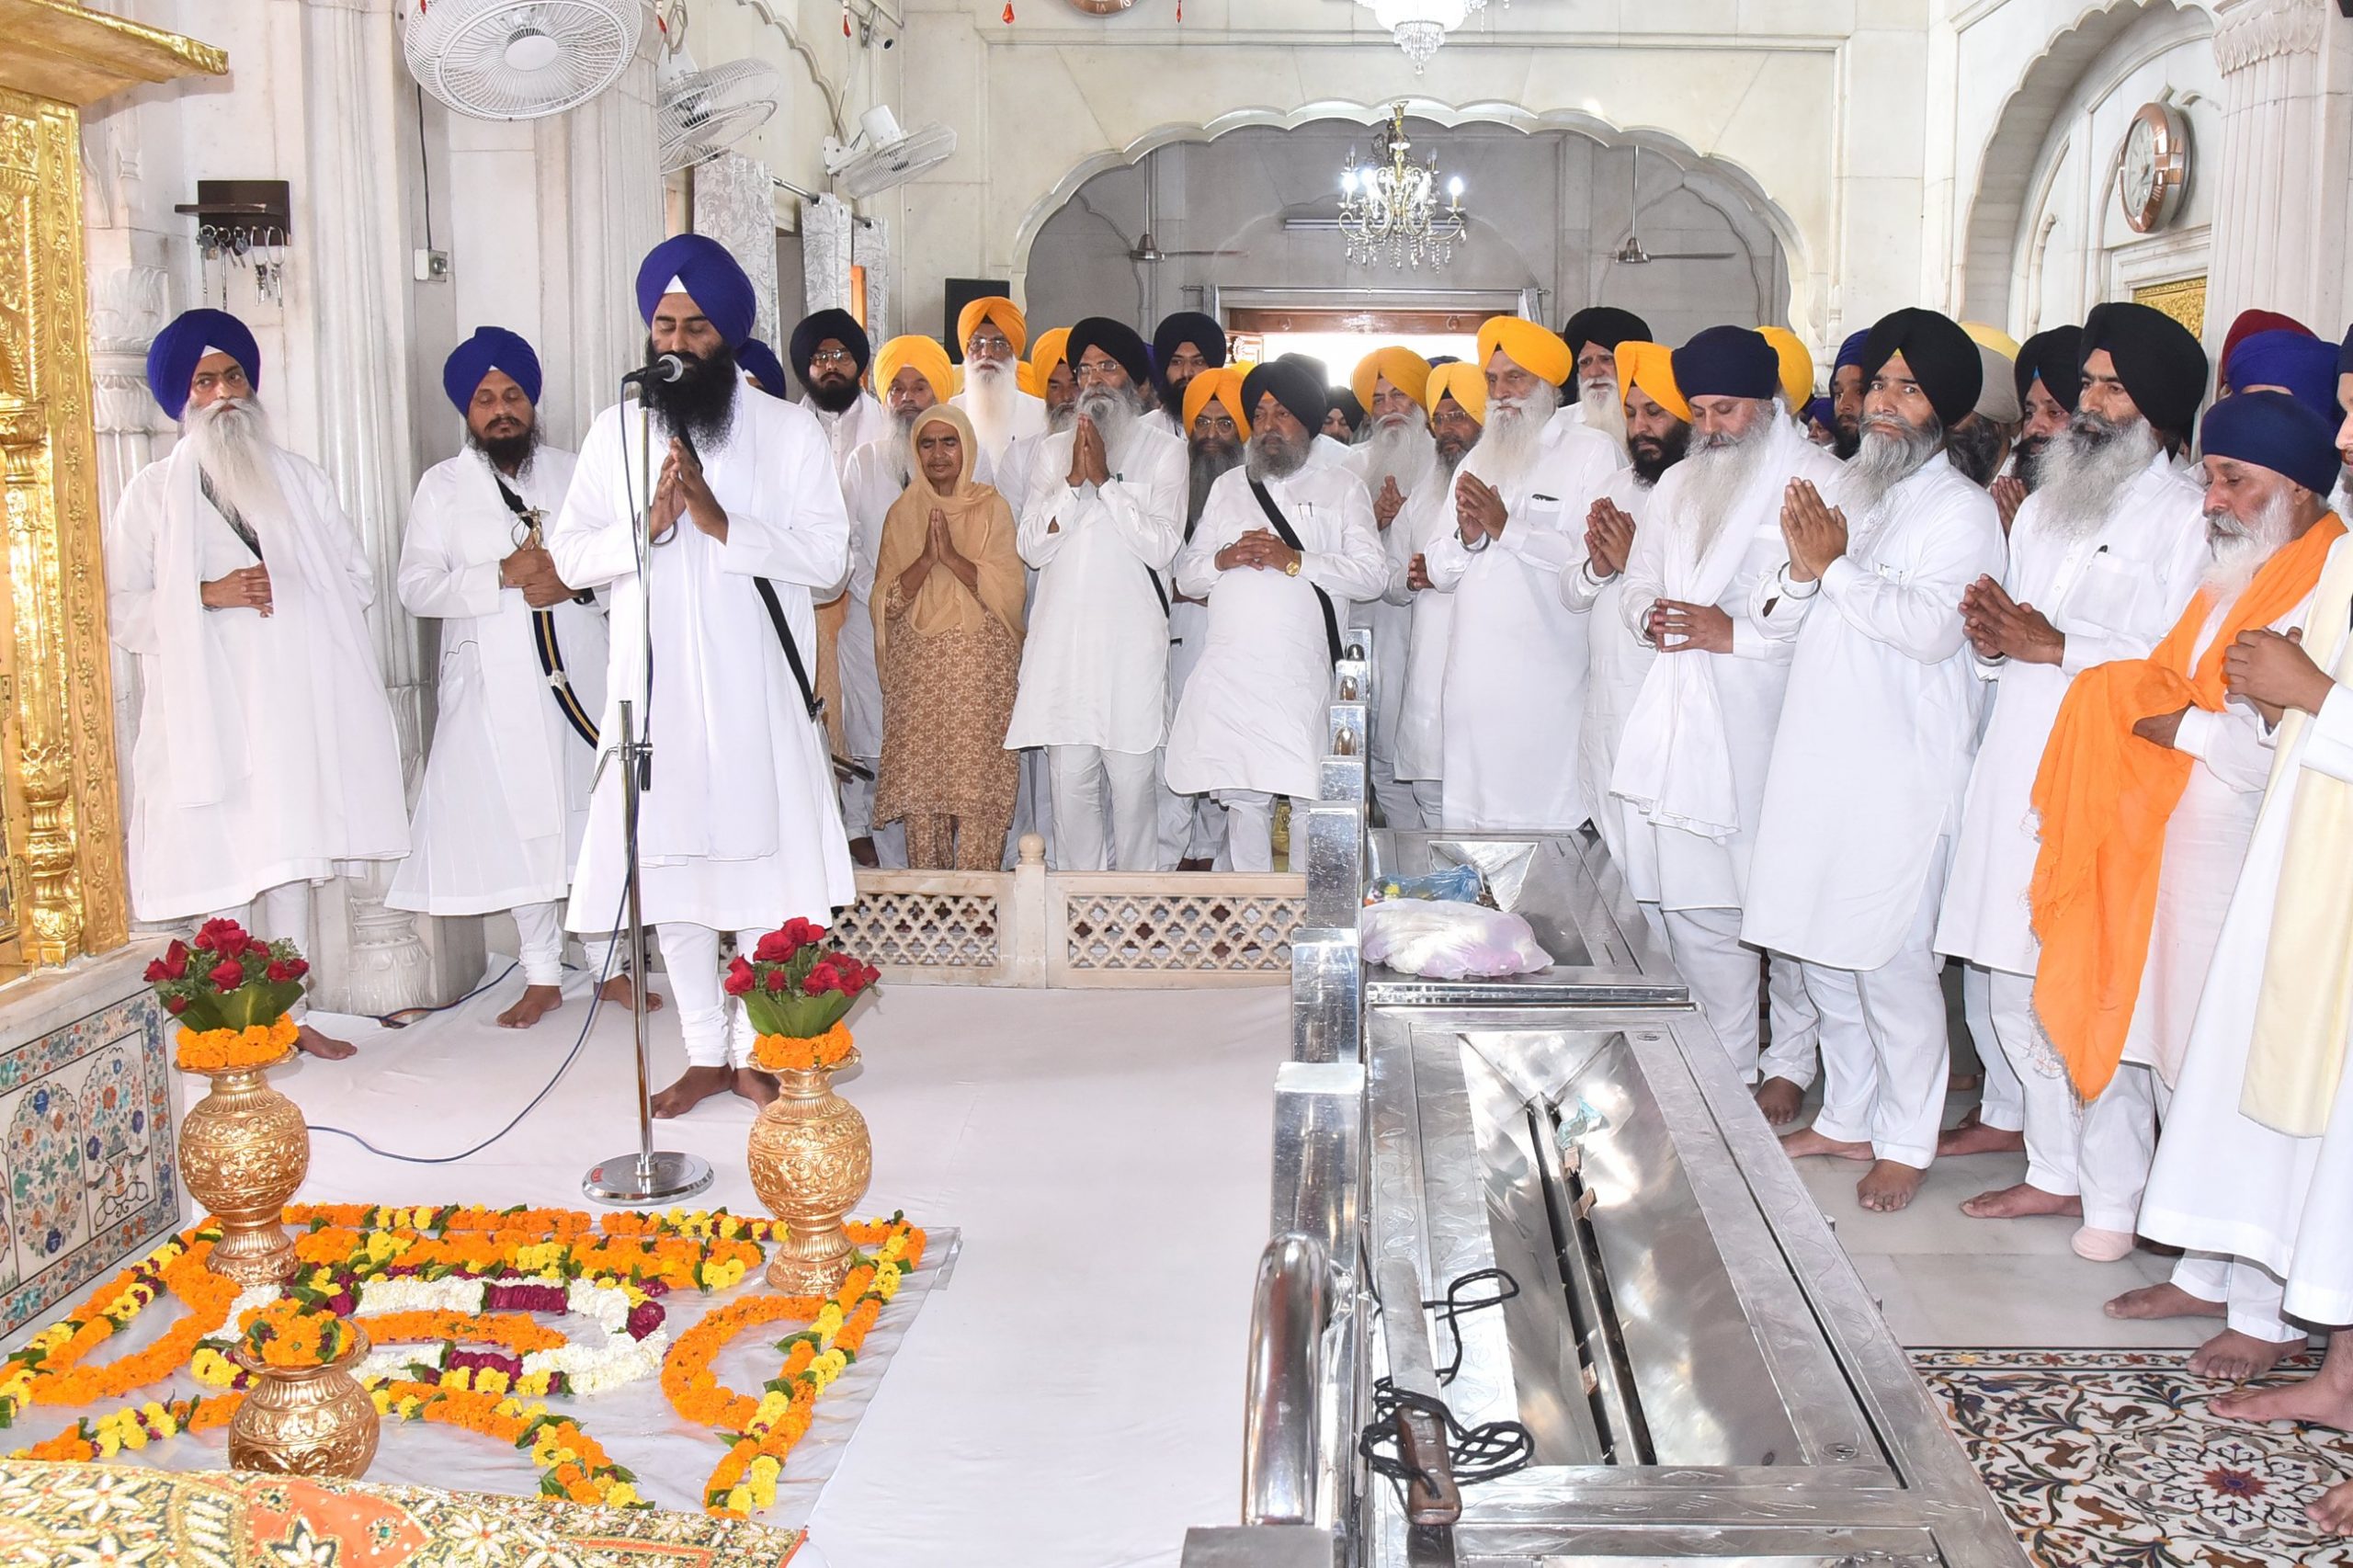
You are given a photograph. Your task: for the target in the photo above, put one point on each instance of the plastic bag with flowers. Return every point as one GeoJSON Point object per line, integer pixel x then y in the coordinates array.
{"type": "Point", "coordinates": [230, 992]}
{"type": "Point", "coordinates": [797, 988]}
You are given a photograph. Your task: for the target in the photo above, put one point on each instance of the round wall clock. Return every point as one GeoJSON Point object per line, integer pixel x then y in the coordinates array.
{"type": "Point", "coordinates": [2155, 170]}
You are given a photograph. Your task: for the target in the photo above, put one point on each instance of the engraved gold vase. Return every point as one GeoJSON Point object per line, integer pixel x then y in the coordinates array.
{"type": "Point", "coordinates": [305, 1420]}
{"type": "Point", "coordinates": [811, 1162]}
{"type": "Point", "coordinates": [244, 1152]}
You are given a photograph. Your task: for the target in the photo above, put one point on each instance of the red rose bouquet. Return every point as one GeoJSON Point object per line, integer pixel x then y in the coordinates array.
{"type": "Point", "coordinates": [230, 992]}
{"type": "Point", "coordinates": [797, 988]}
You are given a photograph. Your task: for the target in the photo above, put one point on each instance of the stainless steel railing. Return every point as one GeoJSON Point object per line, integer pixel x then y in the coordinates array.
{"type": "Point", "coordinates": [1281, 1444]}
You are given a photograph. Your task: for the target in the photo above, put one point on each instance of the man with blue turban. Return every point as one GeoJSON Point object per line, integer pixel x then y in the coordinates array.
{"type": "Point", "coordinates": [266, 757]}
{"type": "Point", "coordinates": [714, 643]}
{"type": "Point", "coordinates": [505, 802]}
{"type": "Point", "coordinates": [1847, 383]}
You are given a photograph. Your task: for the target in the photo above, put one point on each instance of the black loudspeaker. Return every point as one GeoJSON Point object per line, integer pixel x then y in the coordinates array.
{"type": "Point", "coordinates": [962, 292]}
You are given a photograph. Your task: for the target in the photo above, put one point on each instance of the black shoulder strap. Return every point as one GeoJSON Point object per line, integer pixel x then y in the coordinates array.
{"type": "Point", "coordinates": [809, 698]}
{"type": "Point", "coordinates": [1284, 531]}
{"type": "Point", "coordinates": [229, 514]}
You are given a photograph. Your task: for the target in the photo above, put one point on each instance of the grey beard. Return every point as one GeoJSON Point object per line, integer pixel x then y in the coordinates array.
{"type": "Point", "coordinates": [1398, 450]}
{"type": "Point", "coordinates": [1719, 470]}
{"type": "Point", "coordinates": [1603, 409]}
{"type": "Point", "coordinates": [1513, 430]}
{"type": "Point", "coordinates": [1114, 411]}
{"type": "Point", "coordinates": [1209, 465]}
{"type": "Point", "coordinates": [1889, 456]}
{"type": "Point", "coordinates": [1062, 416]}
{"type": "Point", "coordinates": [2083, 472]}
{"type": "Point", "coordinates": [2236, 550]}
{"type": "Point", "coordinates": [232, 441]}
{"type": "Point", "coordinates": [895, 450]}
{"type": "Point", "coordinates": [1271, 457]}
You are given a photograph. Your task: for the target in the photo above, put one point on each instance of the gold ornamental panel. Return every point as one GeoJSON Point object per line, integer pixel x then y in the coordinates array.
{"type": "Point", "coordinates": [2183, 298]}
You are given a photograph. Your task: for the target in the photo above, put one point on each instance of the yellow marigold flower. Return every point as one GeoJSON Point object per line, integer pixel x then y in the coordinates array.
{"type": "Point", "coordinates": [490, 1380]}
{"type": "Point", "coordinates": [895, 1249]}
{"type": "Point", "coordinates": [773, 1404]}
{"type": "Point", "coordinates": [134, 1437]}
{"type": "Point", "coordinates": [886, 1285]}
{"type": "Point", "coordinates": [621, 1496]}
{"type": "Point", "coordinates": [534, 1383]}
{"type": "Point", "coordinates": [109, 1444]}
{"type": "Point", "coordinates": [739, 1501]}
{"type": "Point", "coordinates": [166, 1427]}
{"type": "Point", "coordinates": [461, 1379]}
{"type": "Point", "coordinates": [383, 1400]}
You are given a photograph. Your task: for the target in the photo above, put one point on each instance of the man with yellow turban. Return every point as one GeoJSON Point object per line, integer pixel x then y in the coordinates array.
{"type": "Point", "coordinates": [1796, 364]}
{"type": "Point", "coordinates": [992, 333]}
{"type": "Point", "coordinates": [1193, 827]}
{"type": "Point", "coordinates": [1395, 458]}
{"type": "Point", "coordinates": [1457, 404]}
{"type": "Point", "coordinates": [1515, 667]}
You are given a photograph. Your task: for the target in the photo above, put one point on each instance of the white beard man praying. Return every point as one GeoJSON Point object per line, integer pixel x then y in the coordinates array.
{"type": "Point", "coordinates": [1396, 459]}
{"type": "Point", "coordinates": [266, 760]}
{"type": "Point", "coordinates": [993, 334]}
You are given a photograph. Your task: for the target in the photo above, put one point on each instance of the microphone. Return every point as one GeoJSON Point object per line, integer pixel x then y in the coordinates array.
{"type": "Point", "coordinates": [664, 368]}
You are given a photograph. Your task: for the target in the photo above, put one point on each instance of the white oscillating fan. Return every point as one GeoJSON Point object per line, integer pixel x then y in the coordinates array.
{"type": "Point", "coordinates": [704, 113]}
{"type": "Point", "coordinates": [520, 58]}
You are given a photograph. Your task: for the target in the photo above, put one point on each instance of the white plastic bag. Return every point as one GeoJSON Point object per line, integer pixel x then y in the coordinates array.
{"type": "Point", "coordinates": [1450, 941]}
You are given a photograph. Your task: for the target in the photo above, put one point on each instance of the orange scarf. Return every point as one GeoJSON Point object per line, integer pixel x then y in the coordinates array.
{"type": "Point", "coordinates": [2104, 795]}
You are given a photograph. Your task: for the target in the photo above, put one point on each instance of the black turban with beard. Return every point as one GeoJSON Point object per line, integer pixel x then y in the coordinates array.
{"type": "Point", "coordinates": [841, 328]}
{"type": "Point", "coordinates": [1115, 338]}
{"type": "Point", "coordinates": [1942, 358]}
{"type": "Point", "coordinates": [2055, 358]}
{"type": "Point", "coordinates": [1604, 325]}
{"type": "Point", "coordinates": [1297, 388]}
{"type": "Point", "coordinates": [2160, 363]}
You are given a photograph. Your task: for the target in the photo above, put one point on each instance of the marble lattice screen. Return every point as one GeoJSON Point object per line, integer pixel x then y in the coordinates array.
{"type": "Point", "coordinates": [734, 204]}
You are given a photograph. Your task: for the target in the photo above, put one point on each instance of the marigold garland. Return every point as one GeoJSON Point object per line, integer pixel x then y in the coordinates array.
{"type": "Point", "coordinates": [790, 1054]}
{"type": "Point", "coordinates": [223, 1050]}
{"type": "Point", "coordinates": [513, 1330]}
{"type": "Point", "coordinates": [295, 1334]}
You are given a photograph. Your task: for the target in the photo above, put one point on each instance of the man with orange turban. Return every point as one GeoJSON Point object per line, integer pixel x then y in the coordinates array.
{"type": "Point", "coordinates": [1193, 827]}
{"type": "Point", "coordinates": [1457, 404]}
{"type": "Point", "coordinates": [1515, 667]}
{"type": "Point", "coordinates": [1394, 457]}
{"type": "Point", "coordinates": [992, 333]}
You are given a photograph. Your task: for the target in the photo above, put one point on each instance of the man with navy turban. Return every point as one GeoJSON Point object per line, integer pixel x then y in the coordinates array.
{"type": "Point", "coordinates": [829, 353]}
{"type": "Point", "coordinates": [505, 801]}
{"type": "Point", "coordinates": [739, 829]}
{"type": "Point", "coordinates": [1873, 748]}
{"type": "Point", "coordinates": [266, 757]}
{"type": "Point", "coordinates": [1847, 383]}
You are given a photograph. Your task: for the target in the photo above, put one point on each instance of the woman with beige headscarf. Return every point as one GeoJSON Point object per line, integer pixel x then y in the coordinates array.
{"type": "Point", "coordinates": [947, 593]}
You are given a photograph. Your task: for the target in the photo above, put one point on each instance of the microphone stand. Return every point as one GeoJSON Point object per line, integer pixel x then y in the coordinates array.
{"type": "Point", "coordinates": [649, 1175]}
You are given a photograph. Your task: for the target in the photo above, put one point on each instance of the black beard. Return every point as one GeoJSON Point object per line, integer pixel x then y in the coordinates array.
{"type": "Point", "coordinates": [1669, 452]}
{"type": "Point", "coordinates": [833, 396]}
{"type": "Point", "coordinates": [1210, 460]}
{"type": "Point", "coordinates": [699, 404]}
{"type": "Point", "coordinates": [508, 454]}
{"type": "Point", "coordinates": [1846, 440]}
{"type": "Point", "coordinates": [1975, 448]}
{"type": "Point", "coordinates": [2031, 452]}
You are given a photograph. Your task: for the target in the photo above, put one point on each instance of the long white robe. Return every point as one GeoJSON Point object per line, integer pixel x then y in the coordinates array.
{"type": "Point", "coordinates": [505, 801]}
{"type": "Point", "coordinates": [1877, 726]}
{"type": "Point", "coordinates": [1390, 622]}
{"type": "Point", "coordinates": [266, 751]}
{"type": "Point", "coordinates": [1095, 663]}
{"type": "Point", "coordinates": [1254, 713]}
{"type": "Point", "coordinates": [1617, 660]}
{"type": "Point", "coordinates": [1429, 514]}
{"type": "Point", "coordinates": [1516, 664]}
{"type": "Point", "coordinates": [863, 421]}
{"type": "Point", "coordinates": [2112, 593]}
{"type": "Point", "coordinates": [741, 828]}
{"type": "Point", "coordinates": [2223, 1182]}
{"type": "Point", "coordinates": [1708, 719]}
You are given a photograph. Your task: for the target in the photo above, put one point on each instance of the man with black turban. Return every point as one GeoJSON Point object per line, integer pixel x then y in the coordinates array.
{"type": "Point", "coordinates": [830, 352]}
{"type": "Point", "coordinates": [1873, 749]}
{"type": "Point", "coordinates": [2156, 360]}
{"type": "Point", "coordinates": [1325, 449]}
{"type": "Point", "coordinates": [1185, 343]}
{"type": "Point", "coordinates": [1281, 551]}
{"type": "Point", "coordinates": [1591, 396]}
{"type": "Point", "coordinates": [2048, 376]}
{"type": "Point", "coordinates": [1343, 416]}
{"type": "Point", "coordinates": [2103, 555]}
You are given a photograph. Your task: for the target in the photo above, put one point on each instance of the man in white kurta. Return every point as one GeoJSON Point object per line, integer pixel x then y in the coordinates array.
{"type": "Point", "coordinates": [739, 829]}
{"type": "Point", "coordinates": [1458, 401]}
{"type": "Point", "coordinates": [992, 333]}
{"type": "Point", "coordinates": [265, 760]}
{"type": "Point", "coordinates": [829, 352]}
{"type": "Point", "coordinates": [504, 801]}
{"type": "Point", "coordinates": [1872, 752]}
{"type": "Point", "coordinates": [1396, 459]}
{"type": "Point", "coordinates": [1193, 827]}
{"type": "Point", "coordinates": [1187, 344]}
{"type": "Point", "coordinates": [1103, 519]}
{"type": "Point", "coordinates": [1688, 777]}
{"type": "Point", "coordinates": [1252, 723]}
{"type": "Point", "coordinates": [2103, 558]}
{"type": "Point", "coordinates": [1516, 664]}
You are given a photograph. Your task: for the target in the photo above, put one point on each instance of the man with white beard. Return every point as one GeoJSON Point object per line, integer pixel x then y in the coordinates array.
{"type": "Point", "coordinates": [992, 332]}
{"type": "Point", "coordinates": [2048, 375]}
{"type": "Point", "coordinates": [1590, 395]}
{"type": "Point", "coordinates": [1103, 518]}
{"type": "Point", "coordinates": [1279, 547]}
{"type": "Point", "coordinates": [1395, 458]}
{"type": "Point", "coordinates": [1515, 662]}
{"type": "Point", "coordinates": [1458, 401]}
{"type": "Point", "coordinates": [2149, 795]}
{"type": "Point", "coordinates": [1049, 368]}
{"type": "Point", "coordinates": [1193, 827]}
{"type": "Point", "coordinates": [738, 826]}
{"type": "Point", "coordinates": [830, 352]}
{"type": "Point", "coordinates": [1873, 748]}
{"type": "Point", "coordinates": [1689, 772]}
{"type": "Point", "coordinates": [265, 760]}
{"type": "Point", "coordinates": [1185, 345]}
{"type": "Point", "coordinates": [505, 801]}
{"type": "Point", "coordinates": [2104, 555]}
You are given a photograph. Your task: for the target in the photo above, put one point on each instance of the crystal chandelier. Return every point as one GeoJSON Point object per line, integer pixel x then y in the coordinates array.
{"type": "Point", "coordinates": [1390, 206]}
{"type": "Point", "coordinates": [1420, 25]}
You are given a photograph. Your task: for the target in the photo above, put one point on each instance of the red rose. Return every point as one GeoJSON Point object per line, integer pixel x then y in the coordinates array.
{"type": "Point", "coordinates": [298, 967]}
{"type": "Point", "coordinates": [802, 933]}
{"type": "Point", "coordinates": [822, 979]}
{"type": "Point", "coordinates": [278, 973]}
{"type": "Point", "coordinates": [175, 1006]}
{"type": "Point", "coordinates": [740, 977]}
{"type": "Point", "coordinates": [156, 971]}
{"type": "Point", "coordinates": [209, 935]}
{"type": "Point", "coordinates": [774, 948]}
{"type": "Point", "coordinates": [777, 981]}
{"type": "Point", "coordinates": [227, 974]}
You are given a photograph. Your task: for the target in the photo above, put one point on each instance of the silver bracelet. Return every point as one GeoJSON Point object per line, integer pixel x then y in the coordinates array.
{"type": "Point", "coordinates": [1789, 589]}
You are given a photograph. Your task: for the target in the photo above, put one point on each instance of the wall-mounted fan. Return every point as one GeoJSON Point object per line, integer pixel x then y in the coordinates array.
{"type": "Point", "coordinates": [520, 59]}
{"type": "Point", "coordinates": [704, 113]}
{"type": "Point", "coordinates": [881, 156]}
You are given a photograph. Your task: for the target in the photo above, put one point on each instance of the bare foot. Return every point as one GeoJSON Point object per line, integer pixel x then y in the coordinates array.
{"type": "Point", "coordinates": [2316, 1398]}
{"type": "Point", "coordinates": [1888, 1186]}
{"type": "Point", "coordinates": [1799, 1145]}
{"type": "Point", "coordinates": [754, 1086]}
{"type": "Point", "coordinates": [2017, 1202]}
{"type": "Point", "coordinates": [2239, 1357]}
{"type": "Point", "coordinates": [2165, 1301]}
{"type": "Point", "coordinates": [862, 852]}
{"type": "Point", "coordinates": [326, 1047]}
{"type": "Point", "coordinates": [1780, 1100]}
{"type": "Point", "coordinates": [695, 1086]}
{"type": "Point", "coordinates": [616, 990]}
{"type": "Point", "coordinates": [536, 1003]}
{"type": "Point", "coordinates": [1973, 1137]}
{"type": "Point", "coordinates": [2334, 1511]}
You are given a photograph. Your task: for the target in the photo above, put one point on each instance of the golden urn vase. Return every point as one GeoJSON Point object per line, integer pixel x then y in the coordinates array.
{"type": "Point", "coordinates": [811, 1162]}
{"type": "Point", "coordinates": [305, 1420]}
{"type": "Point", "coordinates": [244, 1152]}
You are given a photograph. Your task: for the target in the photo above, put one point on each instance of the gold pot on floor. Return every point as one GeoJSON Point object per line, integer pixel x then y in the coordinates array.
{"type": "Point", "coordinates": [305, 1420]}
{"type": "Point", "coordinates": [244, 1152]}
{"type": "Point", "coordinates": [810, 1159]}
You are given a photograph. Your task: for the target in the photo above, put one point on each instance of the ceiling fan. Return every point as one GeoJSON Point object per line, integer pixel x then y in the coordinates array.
{"type": "Point", "coordinates": [1632, 253]}
{"type": "Point", "coordinates": [1147, 249]}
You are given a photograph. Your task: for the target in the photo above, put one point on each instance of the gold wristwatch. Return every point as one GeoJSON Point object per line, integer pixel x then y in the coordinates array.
{"type": "Point", "coordinates": [1291, 570]}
